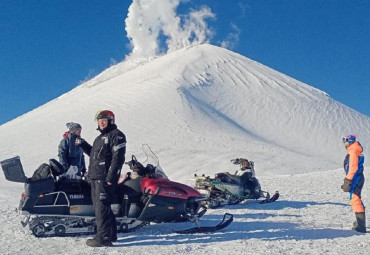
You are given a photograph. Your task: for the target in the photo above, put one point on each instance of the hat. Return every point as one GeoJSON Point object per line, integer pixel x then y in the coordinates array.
{"type": "Point", "coordinates": [73, 126]}
{"type": "Point", "coordinates": [349, 139]}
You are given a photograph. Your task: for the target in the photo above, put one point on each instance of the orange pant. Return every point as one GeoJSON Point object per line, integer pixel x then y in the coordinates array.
{"type": "Point", "coordinates": [356, 204]}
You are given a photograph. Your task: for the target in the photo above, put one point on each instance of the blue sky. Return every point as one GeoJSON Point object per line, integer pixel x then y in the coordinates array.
{"type": "Point", "coordinates": [48, 47]}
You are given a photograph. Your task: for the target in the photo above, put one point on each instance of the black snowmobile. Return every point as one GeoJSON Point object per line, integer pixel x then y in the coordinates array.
{"type": "Point", "coordinates": [55, 205]}
{"type": "Point", "coordinates": [229, 189]}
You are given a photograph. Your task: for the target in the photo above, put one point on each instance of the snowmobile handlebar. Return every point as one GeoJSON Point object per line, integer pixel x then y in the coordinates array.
{"type": "Point", "coordinates": [134, 164]}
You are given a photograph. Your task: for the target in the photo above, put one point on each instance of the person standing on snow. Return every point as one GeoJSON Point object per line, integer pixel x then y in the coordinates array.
{"type": "Point", "coordinates": [354, 180]}
{"type": "Point", "coordinates": [107, 155]}
{"type": "Point", "coordinates": [71, 156]}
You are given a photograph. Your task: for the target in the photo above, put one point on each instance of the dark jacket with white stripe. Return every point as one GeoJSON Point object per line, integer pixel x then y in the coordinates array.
{"type": "Point", "coordinates": [107, 154]}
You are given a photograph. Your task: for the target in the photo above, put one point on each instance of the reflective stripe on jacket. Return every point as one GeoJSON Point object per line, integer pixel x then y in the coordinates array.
{"type": "Point", "coordinates": [107, 155]}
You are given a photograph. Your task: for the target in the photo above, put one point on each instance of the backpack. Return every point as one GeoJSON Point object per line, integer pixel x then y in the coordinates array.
{"type": "Point", "coordinates": [42, 172]}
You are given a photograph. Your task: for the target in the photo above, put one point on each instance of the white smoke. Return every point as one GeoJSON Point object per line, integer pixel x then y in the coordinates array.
{"type": "Point", "coordinates": [153, 27]}
{"type": "Point", "coordinates": [232, 39]}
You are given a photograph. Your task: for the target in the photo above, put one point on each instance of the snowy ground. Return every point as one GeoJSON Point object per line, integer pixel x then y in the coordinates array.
{"type": "Point", "coordinates": [312, 216]}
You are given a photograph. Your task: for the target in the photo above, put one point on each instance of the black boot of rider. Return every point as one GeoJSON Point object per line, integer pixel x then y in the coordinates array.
{"type": "Point", "coordinates": [361, 223]}
{"type": "Point", "coordinates": [98, 242]}
{"type": "Point", "coordinates": [113, 230]}
{"type": "Point", "coordinates": [113, 238]}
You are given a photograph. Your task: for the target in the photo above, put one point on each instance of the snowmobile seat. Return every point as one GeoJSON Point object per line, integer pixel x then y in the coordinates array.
{"type": "Point", "coordinates": [235, 179]}
{"type": "Point", "coordinates": [228, 178]}
{"type": "Point", "coordinates": [56, 168]}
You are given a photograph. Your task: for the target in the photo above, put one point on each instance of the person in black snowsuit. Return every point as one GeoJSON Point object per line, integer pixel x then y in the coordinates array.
{"type": "Point", "coordinates": [107, 155]}
{"type": "Point", "coordinates": [69, 154]}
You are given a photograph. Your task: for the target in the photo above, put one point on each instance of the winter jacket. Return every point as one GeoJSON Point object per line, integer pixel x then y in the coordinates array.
{"type": "Point", "coordinates": [355, 161]}
{"type": "Point", "coordinates": [354, 165]}
{"type": "Point", "coordinates": [70, 154]}
{"type": "Point", "coordinates": [107, 154]}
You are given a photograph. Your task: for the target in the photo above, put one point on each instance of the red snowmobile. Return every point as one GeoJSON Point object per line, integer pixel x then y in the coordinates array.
{"type": "Point", "coordinates": [55, 205]}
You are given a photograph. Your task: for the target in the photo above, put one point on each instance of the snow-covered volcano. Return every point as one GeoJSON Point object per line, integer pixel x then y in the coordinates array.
{"type": "Point", "coordinates": [198, 108]}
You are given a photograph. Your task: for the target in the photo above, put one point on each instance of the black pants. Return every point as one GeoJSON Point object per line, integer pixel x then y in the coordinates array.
{"type": "Point", "coordinates": [101, 195]}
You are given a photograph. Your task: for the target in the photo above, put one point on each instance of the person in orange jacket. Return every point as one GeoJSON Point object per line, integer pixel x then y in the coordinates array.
{"type": "Point", "coordinates": [354, 180]}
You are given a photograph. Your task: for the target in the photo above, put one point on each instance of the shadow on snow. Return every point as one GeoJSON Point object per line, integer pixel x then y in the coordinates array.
{"type": "Point", "coordinates": [161, 234]}
{"type": "Point", "coordinates": [283, 204]}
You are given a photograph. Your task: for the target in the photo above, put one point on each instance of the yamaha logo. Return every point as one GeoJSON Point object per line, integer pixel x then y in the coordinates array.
{"type": "Point", "coordinates": [76, 196]}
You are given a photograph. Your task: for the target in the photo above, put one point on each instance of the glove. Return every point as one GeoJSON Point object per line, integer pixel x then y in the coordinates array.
{"type": "Point", "coordinates": [71, 173]}
{"type": "Point", "coordinates": [103, 197]}
{"type": "Point", "coordinates": [78, 141]}
{"type": "Point", "coordinates": [346, 185]}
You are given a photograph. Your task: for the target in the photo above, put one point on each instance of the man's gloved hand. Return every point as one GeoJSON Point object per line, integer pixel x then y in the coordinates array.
{"type": "Point", "coordinates": [346, 185]}
{"type": "Point", "coordinates": [103, 197]}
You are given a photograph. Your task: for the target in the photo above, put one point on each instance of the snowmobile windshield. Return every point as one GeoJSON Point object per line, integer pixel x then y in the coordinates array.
{"type": "Point", "coordinates": [152, 159]}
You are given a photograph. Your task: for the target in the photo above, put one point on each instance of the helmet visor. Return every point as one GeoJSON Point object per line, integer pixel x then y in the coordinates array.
{"type": "Point", "coordinates": [104, 114]}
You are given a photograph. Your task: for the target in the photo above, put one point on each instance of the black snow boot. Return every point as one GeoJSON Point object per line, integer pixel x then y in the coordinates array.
{"type": "Point", "coordinates": [113, 230]}
{"type": "Point", "coordinates": [97, 242]}
{"type": "Point", "coordinates": [114, 238]}
{"type": "Point", "coordinates": [360, 224]}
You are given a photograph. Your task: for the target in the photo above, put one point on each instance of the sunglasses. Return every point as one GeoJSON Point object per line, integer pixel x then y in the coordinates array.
{"type": "Point", "coordinates": [348, 140]}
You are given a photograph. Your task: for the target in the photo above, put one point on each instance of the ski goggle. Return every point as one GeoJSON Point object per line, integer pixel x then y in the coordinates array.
{"type": "Point", "coordinates": [104, 114]}
{"type": "Point", "coordinates": [349, 139]}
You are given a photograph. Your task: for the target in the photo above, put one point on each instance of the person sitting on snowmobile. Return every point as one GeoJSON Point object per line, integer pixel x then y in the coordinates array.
{"type": "Point", "coordinates": [248, 177]}
{"type": "Point", "coordinates": [71, 156]}
{"type": "Point", "coordinates": [107, 155]}
{"type": "Point", "coordinates": [354, 180]}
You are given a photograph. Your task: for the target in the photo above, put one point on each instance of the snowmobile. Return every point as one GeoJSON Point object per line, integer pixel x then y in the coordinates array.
{"type": "Point", "coordinates": [229, 189]}
{"type": "Point", "coordinates": [53, 205]}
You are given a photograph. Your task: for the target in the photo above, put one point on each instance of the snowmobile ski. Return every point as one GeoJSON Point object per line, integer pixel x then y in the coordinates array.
{"type": "Point", "coordinates": [209, 229]}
